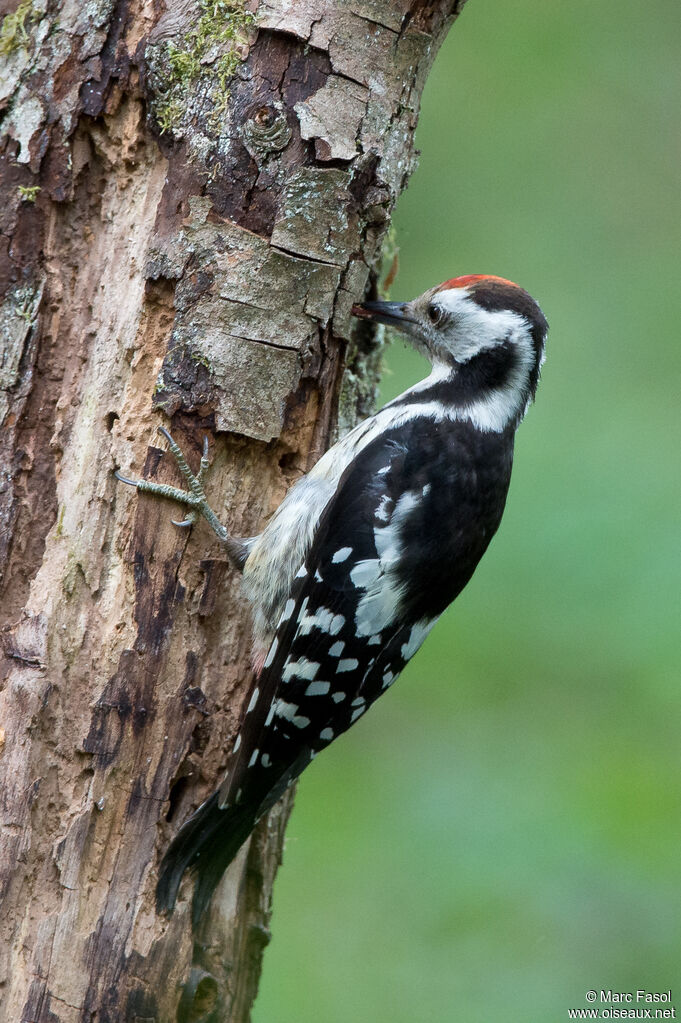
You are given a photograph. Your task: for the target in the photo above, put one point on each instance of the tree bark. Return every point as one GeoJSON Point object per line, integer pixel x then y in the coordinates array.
{"type": "Point", "coordinates": [192, 199]}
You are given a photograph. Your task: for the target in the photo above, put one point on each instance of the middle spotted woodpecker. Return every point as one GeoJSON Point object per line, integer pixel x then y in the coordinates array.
{"type": "Point", "coordinates": [366, 551]}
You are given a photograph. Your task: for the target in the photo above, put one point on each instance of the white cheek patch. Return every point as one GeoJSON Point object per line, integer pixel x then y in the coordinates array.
{"type": "Point", "coordinates": [477, 328]}
{"type": "Point", "coordinates": [497, 407]}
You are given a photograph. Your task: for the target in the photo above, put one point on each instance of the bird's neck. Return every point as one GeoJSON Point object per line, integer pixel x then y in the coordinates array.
{"type": "Point", "coordinates": [491, 391]}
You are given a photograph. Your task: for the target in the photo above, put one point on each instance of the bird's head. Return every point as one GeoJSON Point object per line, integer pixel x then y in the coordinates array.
{"type": "Point", "coordinates": [485, 328]}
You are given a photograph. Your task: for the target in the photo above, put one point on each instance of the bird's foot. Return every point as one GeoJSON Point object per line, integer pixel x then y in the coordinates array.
{"type": "Point", "coordinates": [194, 498]}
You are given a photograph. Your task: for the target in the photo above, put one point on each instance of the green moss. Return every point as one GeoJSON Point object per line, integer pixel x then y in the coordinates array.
{"type": "Point", "coordinates": [28, 193]}
{"type": "Point", "coordinates": [199, 358]}
{"type": "Point", "coordinates": [208, 53]}
{"type": "Point", "coordinates": [168, 112]}
{"type": "Point", "coordinates": [13, 31]}
{"type": "Point", "coordinates": [185, 66]}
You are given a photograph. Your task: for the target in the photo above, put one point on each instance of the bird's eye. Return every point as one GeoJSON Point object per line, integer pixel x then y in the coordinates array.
{"type": "Point", "coordinates": [434, 314]}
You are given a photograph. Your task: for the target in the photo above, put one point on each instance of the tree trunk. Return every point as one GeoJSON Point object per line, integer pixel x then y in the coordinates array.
{"type": "Point", "coordinates": [192, 199]}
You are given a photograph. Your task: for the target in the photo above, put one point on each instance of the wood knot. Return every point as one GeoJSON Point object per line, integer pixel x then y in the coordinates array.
{"type": "Point", "coordinates": [267, 131]}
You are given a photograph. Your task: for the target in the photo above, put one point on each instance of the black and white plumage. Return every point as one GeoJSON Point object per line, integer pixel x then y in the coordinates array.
{"type": "Point", "coordinates": [368, 549]}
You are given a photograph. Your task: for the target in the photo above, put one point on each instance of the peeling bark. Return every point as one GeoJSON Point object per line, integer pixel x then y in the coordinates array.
{"type": "Point", "coordinates": [193, 197]}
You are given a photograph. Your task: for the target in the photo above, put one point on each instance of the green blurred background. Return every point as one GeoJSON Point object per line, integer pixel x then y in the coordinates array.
{"type": "Point", "coordinates": [502, 831]}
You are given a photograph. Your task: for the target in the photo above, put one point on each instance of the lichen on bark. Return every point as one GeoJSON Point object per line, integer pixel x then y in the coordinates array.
{"type": "Point", "coordinates": [203, 59]}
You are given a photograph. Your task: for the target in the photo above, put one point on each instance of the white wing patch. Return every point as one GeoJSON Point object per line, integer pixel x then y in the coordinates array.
{"type": "Point", "coordinates": [271, 652]}
{"type": "Point", "coordinates": [318, 689]}
{"type": "Point", "coordinates": [379, 606]}
{"type": "Point", "coordinates": [322, 619]}
{"type": "Point", "coordinates": [365, 573]}
{"type": "Point", "coordinates": [303, 669]}
{"type": "Point", "coordinates": [418, 633]}
{"type": "Point", "coordinates": [384, 509]}
{"type": "Point", "coordinates": [288, 610]}
{"type": "Point", "coordinates": [289, 711]}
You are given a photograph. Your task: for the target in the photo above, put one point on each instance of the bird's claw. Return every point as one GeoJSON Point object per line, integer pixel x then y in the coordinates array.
{"type": "Point", "coordinates": [189, 521]}
{"type": "Point", "coordinates": [124, 479]}
{"type": "Point", "coordinates": [194, 497]}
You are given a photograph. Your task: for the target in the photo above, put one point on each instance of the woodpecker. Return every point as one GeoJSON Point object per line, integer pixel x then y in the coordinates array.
{"type": "Point", "coordinates": [366, 551]}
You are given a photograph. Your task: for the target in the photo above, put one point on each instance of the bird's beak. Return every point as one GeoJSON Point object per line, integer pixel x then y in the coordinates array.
{"type": "Point", "coordinates": [395, 314]}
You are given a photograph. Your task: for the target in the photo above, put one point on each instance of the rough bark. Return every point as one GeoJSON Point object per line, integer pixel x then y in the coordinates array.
{"type": "Point", "coordinates": [192, 199]}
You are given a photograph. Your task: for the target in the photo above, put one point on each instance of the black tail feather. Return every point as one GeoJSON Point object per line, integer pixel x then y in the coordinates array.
{"type": "Point", "coordinates": [208, 841]}
{"type": "Point", "coordinates": [212, 837]}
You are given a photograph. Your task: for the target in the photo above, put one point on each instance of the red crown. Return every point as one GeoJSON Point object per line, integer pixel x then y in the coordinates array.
{"type": "Point", "coordinates": [463, 282]}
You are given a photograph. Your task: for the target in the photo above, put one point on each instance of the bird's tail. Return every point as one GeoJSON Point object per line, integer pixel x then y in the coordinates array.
{"type": "Point", "coordinates": [212, 837]}
{"type": "Point", "coordinates": [208, 841]}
